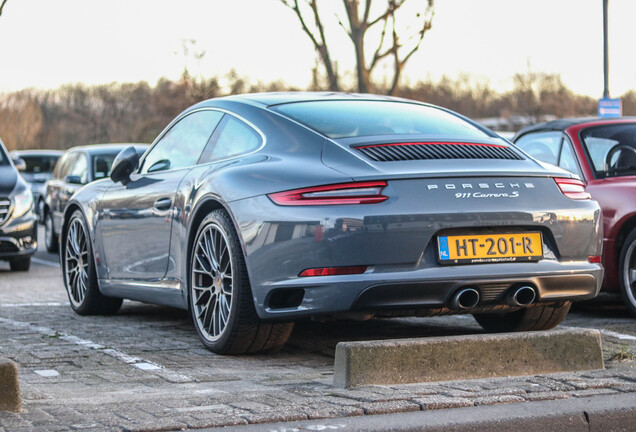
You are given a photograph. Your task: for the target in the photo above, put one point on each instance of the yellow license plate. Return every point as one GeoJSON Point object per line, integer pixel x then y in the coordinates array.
{"type": "Point", "coordinates": [488, 248]}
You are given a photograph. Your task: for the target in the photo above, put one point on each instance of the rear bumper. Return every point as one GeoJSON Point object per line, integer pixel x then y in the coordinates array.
{"type": "Point", "coordinates": [421, 290]}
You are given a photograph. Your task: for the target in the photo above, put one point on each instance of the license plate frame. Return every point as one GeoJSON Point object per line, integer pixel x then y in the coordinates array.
{"type": "Point", "coordinates": [490, 248]}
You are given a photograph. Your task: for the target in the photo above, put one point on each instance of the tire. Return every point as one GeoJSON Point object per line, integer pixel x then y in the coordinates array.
{"type": "Point", "coordinates": [80, 276]}
{"type": "Point", "coordinates": [627, 272]}
{"type": "Point", "coordinates": [220, 296]}
{"type": "Point", "coordinates": [50, 237]}
{"type": "Point", "coordinates": [538, 317]}
{"type": "Point", "coordinates": [41, 210]}
{"type": "Point", "coordinates": [20, 264]}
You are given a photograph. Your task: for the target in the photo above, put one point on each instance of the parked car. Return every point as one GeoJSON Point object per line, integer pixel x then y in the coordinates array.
{"type": "Point", "coordinates": [18, 223]}
{"type": "Point", "coordinates": [602, 152]}
{"type": "Point", "coordinates": [252, 211]}
{"type": "Point", "coordinates": [37, 169]}
{"type": "Point", "coordinates": [77, 166]}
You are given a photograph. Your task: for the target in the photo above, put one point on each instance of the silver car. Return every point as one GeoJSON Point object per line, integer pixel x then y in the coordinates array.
{"type": "Point", "coordinates": [252, 211]}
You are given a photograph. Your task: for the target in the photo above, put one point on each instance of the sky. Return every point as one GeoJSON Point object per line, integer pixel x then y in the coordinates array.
{"type": "Point", "coordinates": [45, 43]}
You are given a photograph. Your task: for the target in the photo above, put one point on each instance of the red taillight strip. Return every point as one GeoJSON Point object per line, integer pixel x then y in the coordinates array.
{"type": "Point", "coordinates": [572, 188]}
{"type": "Point", "coordinates": [333, 271]}
{"type": "Point", "coordinates": [594, 259]}
{"type": "Point", "coordinates": [352, 193]}
{"type": "Point", "coordinates": [431, 143]}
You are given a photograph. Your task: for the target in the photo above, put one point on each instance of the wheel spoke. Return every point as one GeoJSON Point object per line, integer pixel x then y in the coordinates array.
{"type": "Point", "coordinates": [215, 237]}
{"type": "Point", "coordinates": [205, 265]}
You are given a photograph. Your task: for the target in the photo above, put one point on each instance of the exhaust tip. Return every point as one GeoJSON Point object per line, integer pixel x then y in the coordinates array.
{"type": "Point", "coordinates": [466, 298]}
{"type": "Point", "coordinates": [521, 296]}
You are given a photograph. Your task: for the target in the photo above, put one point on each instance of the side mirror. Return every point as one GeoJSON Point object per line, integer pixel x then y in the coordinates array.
{"type": "Point", "coordinates": [124, 165]}
{"type": "Point", "coordinates": [20, 164]}
{"type": "Point", "coordinates": [73, 179]}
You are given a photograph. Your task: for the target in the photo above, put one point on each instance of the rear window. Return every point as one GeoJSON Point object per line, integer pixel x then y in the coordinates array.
{"type": "Point", "coordinates": [346, 119]}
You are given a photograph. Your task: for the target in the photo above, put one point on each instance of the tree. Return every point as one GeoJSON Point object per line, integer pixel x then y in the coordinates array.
{"type": "Point", "coordinates": [391, 44]}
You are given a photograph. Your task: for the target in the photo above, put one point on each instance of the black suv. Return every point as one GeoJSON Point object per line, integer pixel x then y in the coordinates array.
{"type": "Point", "coordinates": [17, 219]}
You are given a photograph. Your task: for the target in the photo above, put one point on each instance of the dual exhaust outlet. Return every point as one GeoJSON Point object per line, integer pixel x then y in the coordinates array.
{"type": "Point", "coordinates": [468, 298]}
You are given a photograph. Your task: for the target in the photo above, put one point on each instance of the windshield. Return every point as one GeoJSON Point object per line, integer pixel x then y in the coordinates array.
{"type": "Point", "coordinates": [611, 149]}
{"type": "Point", "coordinates": [353, 118]}
{"type": "Point", "coordinates": [39, 163]}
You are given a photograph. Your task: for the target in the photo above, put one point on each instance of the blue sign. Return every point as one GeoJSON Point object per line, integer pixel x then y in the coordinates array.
{"type": "Point", "coordinates": [609, 107]}
{"type": "Point", "coordinates": [443, 248]}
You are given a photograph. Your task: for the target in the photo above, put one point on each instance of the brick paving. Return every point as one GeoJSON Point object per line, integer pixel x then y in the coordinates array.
{"type": "Point", "coordinates": [145, 369]}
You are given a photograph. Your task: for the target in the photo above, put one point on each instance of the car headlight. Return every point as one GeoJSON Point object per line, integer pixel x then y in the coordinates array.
{"type": "Point", "coordinates": [22, 202]}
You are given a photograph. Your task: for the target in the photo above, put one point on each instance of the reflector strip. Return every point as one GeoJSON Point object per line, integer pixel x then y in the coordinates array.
{"type": "Point", "coordinates": [333, 271]}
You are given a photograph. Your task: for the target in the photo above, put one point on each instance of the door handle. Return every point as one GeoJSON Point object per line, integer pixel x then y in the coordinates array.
{"type": "Point", "coordinates": [162, 204]}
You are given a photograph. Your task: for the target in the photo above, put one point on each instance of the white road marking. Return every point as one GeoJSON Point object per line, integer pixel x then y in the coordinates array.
{"type": "Point", "coordinates": [47, 373]}
{"type": "Point", "coordinates": [609, 333]}
{"type": "Point", "coordinates": [33, 304]}
{"type": "Point", "coordinates": [45, 262]}
{"type": "Point", "coordinates": [133, 361]}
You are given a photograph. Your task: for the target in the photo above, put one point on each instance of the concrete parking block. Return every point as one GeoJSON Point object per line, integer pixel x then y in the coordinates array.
{"type": "Point", "coordinates": [403, 361]}
{"type": "Point", "coordinates": [9, 387]}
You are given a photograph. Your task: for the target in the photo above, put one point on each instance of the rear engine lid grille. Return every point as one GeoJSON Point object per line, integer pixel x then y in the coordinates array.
{"type": "Point", "coordinates": [5, 205]}
{"type": "Point", "coordinates": [436, 150]}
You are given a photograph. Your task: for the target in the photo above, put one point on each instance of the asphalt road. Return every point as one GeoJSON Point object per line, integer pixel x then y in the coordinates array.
{"type": "Point", "coordinates": [145, 368]}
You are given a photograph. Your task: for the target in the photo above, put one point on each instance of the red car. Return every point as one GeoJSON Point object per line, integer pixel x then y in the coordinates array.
{"type": "Point", "coordinates": [603, 153]}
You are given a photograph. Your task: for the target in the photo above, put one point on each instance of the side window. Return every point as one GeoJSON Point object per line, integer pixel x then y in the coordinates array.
{"type": "Point", "coordinates": [79, 168]}
{"type": "Point", "coordinates": [232, 138]}
{"type": "Point", "coordinates": [541, 145]}
{"type": "Point", "coordinates": [182, 145]}
{"type": "Point", "coordinates": [567, 159]}
{"type": "Point", "coordinates": [67, 161]}
{"type": "Point", "coordinates": [58, 166]}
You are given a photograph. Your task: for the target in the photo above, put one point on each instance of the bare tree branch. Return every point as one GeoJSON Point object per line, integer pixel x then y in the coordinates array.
{"type": "Point", "coordinates": [320, 42]}
{"type": "Point", "coordinates": [377, 56]}
{"type": "Point", "coordinates": [393, 6]}
{"type": "Point", "coordinates": [399, 63]}
{"type": "Point", "coordinates": [356, 26]}
{"type": "Point", "coordinates": [2, 6]}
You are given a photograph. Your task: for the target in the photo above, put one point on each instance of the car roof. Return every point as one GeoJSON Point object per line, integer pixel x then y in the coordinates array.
{"type": "Point", "coordinates": [562, 124]}
{"type": "Point", "coordinates": [277, 98]}
{"type": "Point", "coordinates": [101, 148]}
{"type": "Point", "coordinates": [37, 152]}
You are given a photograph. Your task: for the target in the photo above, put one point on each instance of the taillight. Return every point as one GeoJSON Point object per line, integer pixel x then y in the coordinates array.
{"type": "Point", "coordinates": [572, 188]}
{"type": "Point", "coordinates": [333, 271]}
{"type": "Point", "coordinates": [343, 193]}
{"type": "Point", "coordinates": [594, 259]}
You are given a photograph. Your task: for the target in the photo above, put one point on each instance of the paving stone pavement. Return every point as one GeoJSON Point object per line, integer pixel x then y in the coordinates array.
{"type": "Point", "coordinates": [145, 369]}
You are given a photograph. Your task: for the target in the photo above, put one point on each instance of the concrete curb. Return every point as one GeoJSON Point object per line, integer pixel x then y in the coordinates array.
{"type": "Point", "coordinates": [616, 412]}
{"type": "Point", "coordinates": [403, 361]}
{"type": "Point", "coordinates": [9, 387]}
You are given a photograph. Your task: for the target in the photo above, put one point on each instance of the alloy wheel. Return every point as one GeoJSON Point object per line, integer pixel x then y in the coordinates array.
{"type": "Point", "coordinates": [212, 282]}
{"type": "Point", "coordinates": [76, 262]}
{"type": "Point", "coordinates": [629, 274]}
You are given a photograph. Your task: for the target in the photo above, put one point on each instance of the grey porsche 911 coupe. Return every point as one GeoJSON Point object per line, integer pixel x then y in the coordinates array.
{"type": "Point", "coordinates": [252, 211]}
